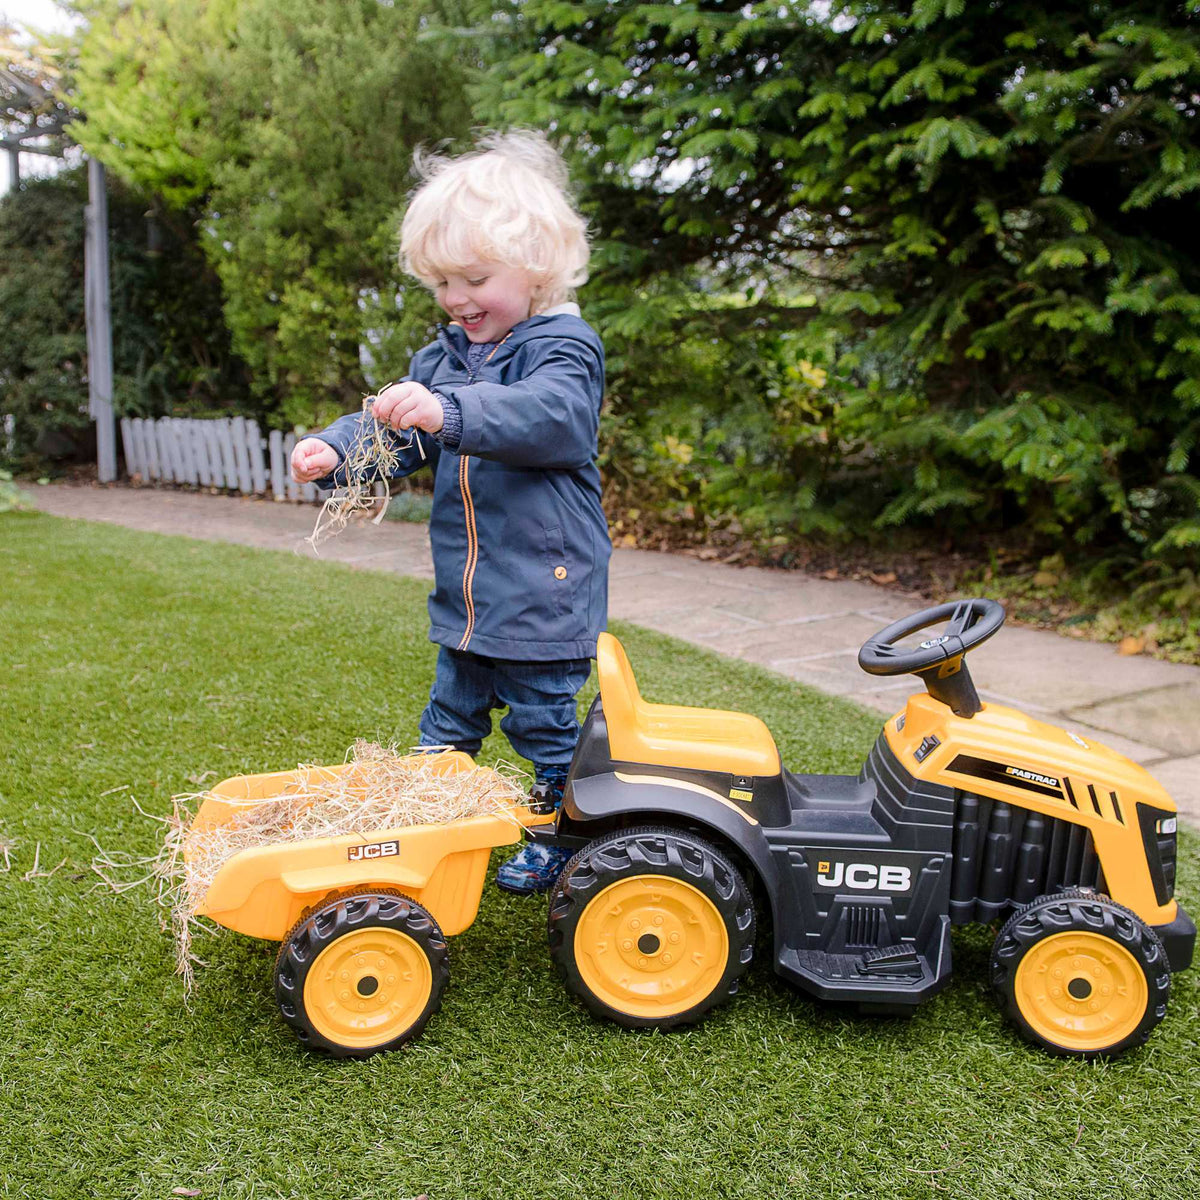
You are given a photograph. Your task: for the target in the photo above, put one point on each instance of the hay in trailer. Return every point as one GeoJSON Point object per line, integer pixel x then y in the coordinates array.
{"type": "Point", "coordinates": [386, 789]}
{"type": "Point", "coordinates": [371, 458]}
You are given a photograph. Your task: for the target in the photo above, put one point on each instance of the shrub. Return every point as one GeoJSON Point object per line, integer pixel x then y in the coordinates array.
{"type": "Point", "coordinates": [993, 206]}
{"type": "Point", "coordinates": [170, 349]}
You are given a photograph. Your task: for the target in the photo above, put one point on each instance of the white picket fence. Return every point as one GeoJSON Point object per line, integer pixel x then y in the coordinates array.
{"type": "Point", "coordinates": [222, 452]}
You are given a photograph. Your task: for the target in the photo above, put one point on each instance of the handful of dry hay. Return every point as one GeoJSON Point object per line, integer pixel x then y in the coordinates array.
{"type": "Point", "coordinates": [370, 459]}
{"type": "Point", "coordinates": [387, 789]}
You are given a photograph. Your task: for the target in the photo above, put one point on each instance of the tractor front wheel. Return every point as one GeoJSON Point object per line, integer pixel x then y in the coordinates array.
{"type": "Point", "coordinates": [651, 928]}
{"type": "Point", "coordinates": [362, 973]}
{"type": "Point", "coordinates": [1081, 975]}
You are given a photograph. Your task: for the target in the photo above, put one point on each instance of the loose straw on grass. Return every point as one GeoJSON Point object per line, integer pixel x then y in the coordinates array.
{"type": "Point", "coordinates": [7, 846]}
{"type": "Point", "coordinates": [384, 789]}
{"type": "Point", "coordinates": [35, 872]}
{"type": "Point", "coordinates": [370, 459]}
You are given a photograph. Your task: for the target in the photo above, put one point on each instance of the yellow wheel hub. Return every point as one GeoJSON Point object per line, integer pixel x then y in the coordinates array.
{"type": "Point", "coordinates": [651, 946]}
{"type": "Point", "coordinates": [1081, 991]}
{"type": "Point", "coordinates": [367, 987]}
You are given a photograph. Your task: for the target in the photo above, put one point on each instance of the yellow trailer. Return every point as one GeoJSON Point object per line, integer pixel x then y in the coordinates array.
{"type": "Point", "coordinates": [363, 918]}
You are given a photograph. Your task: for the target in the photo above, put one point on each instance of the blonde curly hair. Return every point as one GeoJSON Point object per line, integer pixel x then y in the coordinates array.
{"type": "Point", "coordinates": [506, 201]}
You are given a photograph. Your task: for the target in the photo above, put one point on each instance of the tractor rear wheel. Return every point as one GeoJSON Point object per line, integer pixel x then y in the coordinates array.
{"type": "Point", "coordinates": [1080, 974]}
{"type": "Point", "coordinates": [651, 928]}
{"type": "Point", "coordinates": [362, 973]}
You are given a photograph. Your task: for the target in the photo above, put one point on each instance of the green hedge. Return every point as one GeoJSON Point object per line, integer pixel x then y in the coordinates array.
{"type": "Point", "coordinates": [171, 351]}
{"type": "Point", "coordinates": [928, 265]}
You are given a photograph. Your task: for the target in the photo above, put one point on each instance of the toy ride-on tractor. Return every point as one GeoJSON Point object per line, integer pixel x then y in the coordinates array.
{"type": "Point", "coordinates": [963, 812]}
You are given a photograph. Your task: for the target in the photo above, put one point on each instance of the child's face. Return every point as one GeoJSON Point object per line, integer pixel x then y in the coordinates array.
{"type": "Point", "coordinates": [486, 299]}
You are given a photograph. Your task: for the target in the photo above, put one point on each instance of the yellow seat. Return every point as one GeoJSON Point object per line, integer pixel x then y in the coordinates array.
{"type": "Point", "coordinates": [668, 735]}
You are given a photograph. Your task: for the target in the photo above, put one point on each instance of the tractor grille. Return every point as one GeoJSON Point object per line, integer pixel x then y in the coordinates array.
{"type": "Point", "coordinates": [1158, 838]}
{"type": "Point", "coordinates": [1166, 854]}
{"type": "Point", "coordinates": [1005, 856]}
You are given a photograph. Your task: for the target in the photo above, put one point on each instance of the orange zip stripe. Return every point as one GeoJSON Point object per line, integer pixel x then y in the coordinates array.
{"type": "Point", "coordinates": [472, 549]}
{"type": "Point", "coordinates": [464, 486]}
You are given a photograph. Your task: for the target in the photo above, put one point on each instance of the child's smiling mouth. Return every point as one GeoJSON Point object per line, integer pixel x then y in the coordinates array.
{"type": "Point", "coordinates": [472, 320]}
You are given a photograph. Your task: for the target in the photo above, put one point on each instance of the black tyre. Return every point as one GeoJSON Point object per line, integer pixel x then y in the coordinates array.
{"type": "Point", "coordinates": [1080, 974]}
{"type": "Point", "coordinates": [362, 973]}
{"type": "Point", "coordinates": [651, 928]}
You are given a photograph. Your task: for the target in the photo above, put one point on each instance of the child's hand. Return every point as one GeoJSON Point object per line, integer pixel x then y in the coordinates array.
{"type": "Point", "coordinates": [408, 406]}
{"type": "Point", "coordinates": [312, 459]}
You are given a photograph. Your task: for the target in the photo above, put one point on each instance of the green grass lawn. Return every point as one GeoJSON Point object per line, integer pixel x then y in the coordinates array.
{"type": "Point", "coordinates": [142, 662]}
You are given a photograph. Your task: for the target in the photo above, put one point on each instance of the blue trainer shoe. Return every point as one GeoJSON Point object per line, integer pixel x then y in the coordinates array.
{"type": "Point", "coordinates": [534, 868]}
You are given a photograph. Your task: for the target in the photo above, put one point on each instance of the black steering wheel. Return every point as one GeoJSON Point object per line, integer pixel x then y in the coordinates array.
{"type": "Point", "coordinates": [971, 622]}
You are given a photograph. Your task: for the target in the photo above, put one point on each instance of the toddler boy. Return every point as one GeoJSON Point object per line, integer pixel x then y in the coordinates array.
{"type": "Point", "coordinates": [504, 407]}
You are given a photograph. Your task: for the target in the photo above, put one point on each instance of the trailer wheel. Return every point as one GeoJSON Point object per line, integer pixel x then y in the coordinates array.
{"type": "Point", "coordinates": [362, 973]}
{"type": "Point", "coordinates": [651, 928]}
{"type": "Point", "coordinates": [1081, 975]}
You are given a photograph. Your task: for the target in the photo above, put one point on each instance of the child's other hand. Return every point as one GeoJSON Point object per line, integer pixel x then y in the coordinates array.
{"type": "Point", "coordinates": [312, 459]}
{"type": "Point", "coordinates": [408, 406]}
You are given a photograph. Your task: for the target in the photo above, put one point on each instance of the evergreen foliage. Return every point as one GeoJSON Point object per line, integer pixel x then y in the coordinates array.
{"type": "Point", "coordinates": [993, 206]}
{"type": "Point", "coordinates": [171, 350]}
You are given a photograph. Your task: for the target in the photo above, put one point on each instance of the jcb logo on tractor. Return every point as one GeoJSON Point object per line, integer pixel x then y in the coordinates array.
{"type": "Point", "coordinates": [373, 850]}
{"type": "Point", "coordinates": [864, 877]}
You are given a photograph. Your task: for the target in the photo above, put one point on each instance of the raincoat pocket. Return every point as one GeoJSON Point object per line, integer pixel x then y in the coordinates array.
{"type": "Point", "coordinates": [557, 575]}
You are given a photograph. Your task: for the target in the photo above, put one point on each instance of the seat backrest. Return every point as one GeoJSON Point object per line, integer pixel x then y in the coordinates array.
{"type": "Point", "coordinates": [618, 687]}
{"type": "Point", "coordinates": [705, 739]}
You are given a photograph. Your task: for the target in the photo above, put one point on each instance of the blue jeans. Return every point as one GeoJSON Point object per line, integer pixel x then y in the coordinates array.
{"type": "Point", "coordinates": [541, 723]}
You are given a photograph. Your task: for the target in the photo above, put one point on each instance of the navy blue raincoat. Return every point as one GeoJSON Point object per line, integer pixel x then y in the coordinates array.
{"type": "Point", "coordinates": [520, 541]}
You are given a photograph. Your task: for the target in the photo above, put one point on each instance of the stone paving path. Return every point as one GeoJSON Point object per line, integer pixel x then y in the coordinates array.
{"type": "Point", "coordinates": [806, 628]}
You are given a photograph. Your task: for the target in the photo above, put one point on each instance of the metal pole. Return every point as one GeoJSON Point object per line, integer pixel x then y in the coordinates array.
{"type": "Point", "coordinates": [99, 323]}
{"type": "Point", "coordinates": [14, 168]}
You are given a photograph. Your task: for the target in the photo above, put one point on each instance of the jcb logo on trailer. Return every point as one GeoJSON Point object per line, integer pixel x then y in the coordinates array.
{"type": "Point", "coordinates": [374, 850]}
{"type": "Point", "coordinates": [864, 877]}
